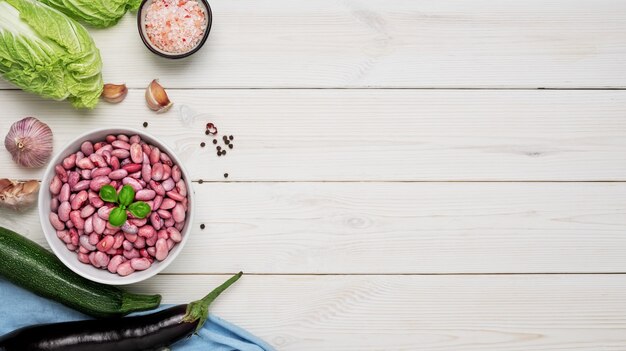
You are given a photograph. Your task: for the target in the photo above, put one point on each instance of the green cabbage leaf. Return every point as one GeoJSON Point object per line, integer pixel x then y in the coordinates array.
{"type": "Point", "coordinates": [97, 13]}
{"type": "Point", "coordinates": [45, 52]}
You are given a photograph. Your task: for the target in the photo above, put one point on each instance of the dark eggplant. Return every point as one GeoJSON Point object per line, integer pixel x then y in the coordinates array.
{"type": "Point", "coordinates": [150, 332]}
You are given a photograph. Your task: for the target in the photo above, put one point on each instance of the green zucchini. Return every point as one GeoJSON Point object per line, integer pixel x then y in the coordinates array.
{"type": "Point", "coordinates": [26, 264]}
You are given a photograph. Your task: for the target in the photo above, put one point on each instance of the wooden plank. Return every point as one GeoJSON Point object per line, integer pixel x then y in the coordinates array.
{"type": "Point", "coordinates": [373, 135]}
{"type": "Point", "coordinates": [379, 43]}
{"type": "Point", "coordinates": [444, 313]}
{"type": "Point", "coordinates": [399, 228]}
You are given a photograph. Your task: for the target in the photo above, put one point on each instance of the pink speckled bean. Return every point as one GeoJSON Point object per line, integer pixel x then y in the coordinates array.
{"type": "Point", "coordinates": [167, 172]}
{"type": "Point", "coordinates": [94, 239]}
{"type": "Point", "coordinates": [87, 211]}
{"type": "Point", "coordinates": [146, 159]}
{"type": "Point", "coordinates": [88, 225]}
{"type": "Point", "coordinates": [146, 172]}
{"type": "Point", "coordinates": [115, 183]}
{"type": "Point", "coordinates": [95, 200]}
{"type": "Point", "coordinates": [73, 178]}
{"type": "Point", "coordinates": [140, 264]}
{"type": "Point", "coordinates": [61, 173]}
{"type": "Point", "coordinates": [119, 239]}
{"type": "Point", "coordinates": [98, 160]}
{"type": "Point", "coordinates": [161, 249]}
{"type": "Point", "coordinates": [165, 214]}
{"type": "Point", "coordinates": [97, 146]}
{"type": "Point", "coordinates": [125, 269]}
{"type": "Point", "coordinates": [69, 162]}
{"type": "Point", "coordinates": [133, 167]}
{"type": "Point", "coordinates": [144, 253]}
{"type": "Point", "coordinates": [125, 162]}
{"type": "Point", "coordinates": [181, 188]}
{"type": "Point", "coordinates": [55, 185]}
{"type": "Point", "coordinates": [155, 155]}
{"type": "Point", "coordinates": [73, 236]}
{"type": "Point", "coordinates": [179, 225]}
{"type": "Point", "coordinates": [174, 234]}
{"type": "Point", "coordinates": [166, 159]}
{"type": "Point", "coordinates": [130, 237]}
{"type": "Point", "coordinates": [133, 183]}
{"type": "Point", "coordinates": [146, 149]}
{"type": "Point", "coordinates": [82, 185]}
{"type": "Point", "coordinates": [157, 171]}
{"type": "Point", "coordinates": [170, 244]}
{"type": "Point", "coordinates": [84, 258]}
{"type": "Point", "coordinates": [85, 163]}
{"type": "Point", "coordinates": [114, 263]}
{"type": "Point", "coordinates": [178, 213]}
{"type": "Point", "coordinates": [75, 218]}
{"type": "Point", "coordinates": [129, 228]}
{"type": "Point", "coordinates": [64, 235]}
{"type": "Point", "coordinates": [106, 155]}
{"type": "Point", "coordinates": [64, 211]}
{"type": "Point", "coordinates": [155, 220]}
{"type": "Point", "coordinates": [54, 204]}
{"type": "Point", "coordinates": [136, 153]}
{"type": "Point", "coordinates": [147, 231]}
{"type": "Point", "coordinates": [176, 173]}
{"type": "Point", "coordinates": [71, 247]}
{"type": "Point", "coordinates": [115, 163]}
{"type": "Point", "coordinates": [79, 200]}
{"type": "Point", "coordinates": [140, 243]}
{"type": "Point", "coordinates": [79, 155]}
{"type": "Point", "coordinates": [134, 139]}
{"type": "Point", "coordinates": [120, 153]}
{"type": "Point", "coordinates": [123, 137]}
{"type": "Point", "coordinates": [118, 174]}
{"type": "Point", "coordinates": [102, 171]}
{"type": "Point", "coordinates": [157, 187]}
{"type": "Point", "coordinates": [137, 175]}
{"type": "Point", "coordinates": [64, 195]}
{"type": "Point", "coordinates": [151, 251]}
{"type": "Point", "coordinates": [127, 245]}
{"type": "Point", "coordinates": [99, 182]}
{"type": "Point", "coordinates": [119, 144]}
{"type": "Point", "coordinates": [139, 222]}
{"type": "Point", "coordinates": [169, 222]}
{"type": "Point", "coordinates": [145, 195]}
{"type": "Point", "coordinates": [110, 138]}
{"type": "Point", "coordinates": [101, 259]}
{"type": "Point", "coordinates": [83, 250]}
{"type": "Point", "coordinates": [69, 224]}
{"type": "Point", "coordinates": [99, 224]}
{"type": "Point", "coordinates": [103, 212]}
{"type": "Point", "coordinates": [85, 174]}
{"type": "Point", "coordinates": [104, 149]}
{"type": "Point", "coordinates": [86, 148]}
{"type": "Point", "coordinates": [132, 253]}
{"type": "Point", "coordinates": [106, 243]}
{"type": "Point", "coordinates": [168, 184]}
{"type": "Point", "coordinates": [84, 242]}
{"type": "Point", "coordinates": [162, 234]}
{"type": "Point", "coordinates": [175, 196]}
{"type": "Point", "coordinates": [167, 204]}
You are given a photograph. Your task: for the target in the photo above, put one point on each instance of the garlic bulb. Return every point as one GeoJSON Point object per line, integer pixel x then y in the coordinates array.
{"type": "Point", "coordinates": [157, 98]}
{"type": "Point", "coordinates": [30, 142]}
{"type": "Point", "coordinates": [18, 195]}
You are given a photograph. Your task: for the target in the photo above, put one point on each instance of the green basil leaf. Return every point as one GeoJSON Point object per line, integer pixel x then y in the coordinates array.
{"type": "Point", "coordinates": [126, 196]}
{"type": "Point", "coordinates": [117, 217]}
{"type": "Point", "coordinates": [139, 209]}
{"type": "Point", "coordinates": [108, 194]}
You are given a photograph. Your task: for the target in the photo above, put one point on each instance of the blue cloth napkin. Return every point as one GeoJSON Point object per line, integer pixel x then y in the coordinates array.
{"type": "Point", "coordinates": [20, 308]}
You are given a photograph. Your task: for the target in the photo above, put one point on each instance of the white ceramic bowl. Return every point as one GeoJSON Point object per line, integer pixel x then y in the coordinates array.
{"type": "Point", "coordinates": [69, 258]}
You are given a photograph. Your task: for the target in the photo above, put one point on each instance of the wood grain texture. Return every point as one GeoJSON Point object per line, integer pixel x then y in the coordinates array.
{"type": "Point", "coordinates": [408, 313]}
{"type": "Point", "coordinates": [399, 228]}
{"type": "Point", "coordinates": [366, 135]}
{"type": "Point", "coordinates": [380, 43]}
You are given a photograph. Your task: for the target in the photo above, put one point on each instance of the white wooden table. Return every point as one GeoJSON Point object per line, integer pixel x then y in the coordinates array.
{"type": "Point", "coordinates": [408, 174]}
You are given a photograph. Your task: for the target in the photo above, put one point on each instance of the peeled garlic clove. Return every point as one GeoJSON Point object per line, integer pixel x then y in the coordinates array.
{"type": "Point", "coordinates": [114, 93]}
{"type": "Point", "coordinates": [30, 142]}
{"type": "Point", "coordinates": [18, 195]}
{"type": "Point", "coordinates": [157, 98]}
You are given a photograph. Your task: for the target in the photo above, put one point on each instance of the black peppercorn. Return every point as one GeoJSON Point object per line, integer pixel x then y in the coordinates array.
{"type": "Point", "coordinates": [202, 144]}
{"type": "Point", "coordinates": [207, 132]}
{"type": "Point", "coordinates": [218, 148]}
{"type": "Point", "coordinates": [145, 124]}
{"type": "Point", "coordinates": [225, 175]}
{"type": "Point", "coordinates": [223, 152]}
{"type": "Point", "coordinates": [214, 141]}
{"type": "Point", "coordinates": [227, 141]}
{"type": "Point", "coordinates": [200, 181]}
{"type": "Point", "coordinates": [202, 226]}
{"type": "Point", "coordinates": [231, 137]}
{"type": "Point", "coordinates": [230, 146]}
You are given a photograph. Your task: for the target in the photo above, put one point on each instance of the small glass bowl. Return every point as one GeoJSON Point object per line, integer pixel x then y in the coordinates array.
{"type": "Point", "coordinates": [141, 16]}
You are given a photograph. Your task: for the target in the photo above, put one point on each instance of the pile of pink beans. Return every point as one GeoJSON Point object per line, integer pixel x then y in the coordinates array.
{"type": "Point", "coordinates": [80, 216]}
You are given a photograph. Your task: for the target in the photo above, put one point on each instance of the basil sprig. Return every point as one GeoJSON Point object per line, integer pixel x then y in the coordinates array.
{"type": "Point", "coordinates": [124, 200]}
